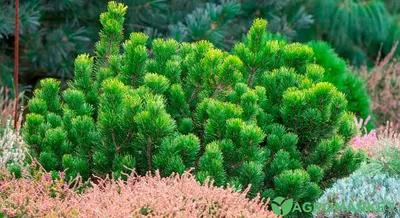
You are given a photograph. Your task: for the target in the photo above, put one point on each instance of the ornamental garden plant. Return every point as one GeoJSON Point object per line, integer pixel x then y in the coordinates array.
{"type": "Point", "coordinates": [54, 32]}
{"type": "Point", "coordinates": [376, 182]}
{"type": "Point", "coordinates": [42, 195]}
{"type": "Point", "coordinates": [261, 116]}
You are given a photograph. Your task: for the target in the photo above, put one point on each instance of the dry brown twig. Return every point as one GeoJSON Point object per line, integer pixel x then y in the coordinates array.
{"type": "Point", "coordinates": [7, 106]}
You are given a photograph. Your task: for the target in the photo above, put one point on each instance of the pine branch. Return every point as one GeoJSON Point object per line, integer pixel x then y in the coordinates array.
{"type": "Point", "coordinates": [149, 154]}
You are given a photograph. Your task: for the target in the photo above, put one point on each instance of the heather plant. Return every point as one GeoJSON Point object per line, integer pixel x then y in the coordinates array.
{"type": "Point", "coordinates": [384, 88]}
{"type": "Point", "coordinates": [375, 182]}
{"type": "Point", "coordinates": [364, 139]}
{"type": "Point", "coordinates": [138, 196]}
{"type": "Point", "coordinates": [261, 115]}
{"type": "Point", "coordinates": [383, 150]}
{"type": "Point", "coordinates": [38, 193]}
{"type": "Point", "coordinates": [13, 149]}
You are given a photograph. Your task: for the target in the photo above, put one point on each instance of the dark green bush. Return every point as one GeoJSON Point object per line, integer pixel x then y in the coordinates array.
{"type": "Point", "coordinates": [337, 73]}
{"type": "Point", "coordinates": [261, 116]}
{"type": "Point", "coordinates": [54, 32]}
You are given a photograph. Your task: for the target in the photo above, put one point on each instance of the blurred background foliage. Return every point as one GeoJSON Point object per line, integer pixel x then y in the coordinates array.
{"type": "Point", "coordinates": [53, 32]}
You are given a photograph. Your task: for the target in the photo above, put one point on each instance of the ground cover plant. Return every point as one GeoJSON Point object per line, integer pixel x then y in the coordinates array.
{"type": "Point", "coordinates": [376, 182]}
{"type": "Point", "coordinates": [262, 115]}
{"type": "Point", "coordinates": [13, 149]}
{"type": "Point", "coordinates": [46, 195]}
{"type": "Point", "coordinates": [364, 188]}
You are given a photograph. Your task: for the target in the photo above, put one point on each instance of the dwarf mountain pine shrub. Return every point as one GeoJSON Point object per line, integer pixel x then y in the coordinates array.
{"type": "Point", "coordinates": [339, 74]}
{"type": "Point", "coordinates": [259, 116]}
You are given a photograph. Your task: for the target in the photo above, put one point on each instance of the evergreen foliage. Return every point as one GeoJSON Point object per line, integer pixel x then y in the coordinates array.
{"type": "Point", "coordinates": [337, 73]}
{"type": "Point", "coordinates": [357, 29]}
{"type": "Point", "coordinates": [54, 32]}
{"type": "Point", "coordinates": [262, 115]}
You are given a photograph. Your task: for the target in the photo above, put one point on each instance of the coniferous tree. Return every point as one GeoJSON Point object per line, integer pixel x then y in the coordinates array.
{"type": "Point", "coordinates": [261, 115]}
{"type": "Point", "coordinates": [337, 73]}
{"type": "Point", "coordinates": [51, 35]}
{"type": "Point", "coordinates": [54, 32]}
{"type": "Point", "coordinates": [357, 29]}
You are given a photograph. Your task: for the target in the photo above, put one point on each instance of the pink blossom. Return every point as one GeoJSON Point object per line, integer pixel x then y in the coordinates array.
{"type": "Point", "coordinates": [375, 143]}
{"type": "Point", "coordinates": [364, 140]}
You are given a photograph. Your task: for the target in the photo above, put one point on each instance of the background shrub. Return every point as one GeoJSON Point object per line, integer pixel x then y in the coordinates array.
{"type": "Point", "coordinates": [356, 29]}
{"type": "Point", "coordinates": [354, 86]}
{"type": "Point", "coordinates": [54, 32]}
{"type": "Point", "coordinates": [383, 87]}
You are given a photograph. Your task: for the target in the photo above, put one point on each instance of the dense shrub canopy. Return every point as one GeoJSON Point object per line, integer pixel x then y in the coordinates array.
{"type": "Point", "coordinates": [54, 32]}
{"type": "Point", "coordinates": [337, 73]}
{"type": "Point", "coordinates": [357, 29]}
{"type": "Point", "coordinates": [261, 116]}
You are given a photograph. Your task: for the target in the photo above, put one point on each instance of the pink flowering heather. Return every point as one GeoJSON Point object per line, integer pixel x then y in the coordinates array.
{"type": "Point", "coordinates": [376, 143]}
{"type": "Point", "coordinates": [364, 140]}
{"type": "Point", "coordinates": [153, 196]}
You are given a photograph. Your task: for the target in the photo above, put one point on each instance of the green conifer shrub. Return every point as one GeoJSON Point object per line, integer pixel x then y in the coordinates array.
{"type": "Point", "coordinates": [54, 32]}
{"type": "Point", "coordinates": [358, 30]}
{"type": "Point", "coordinates": [350, 83]}
{"type": "Point", "coordinates": [259, 116]}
